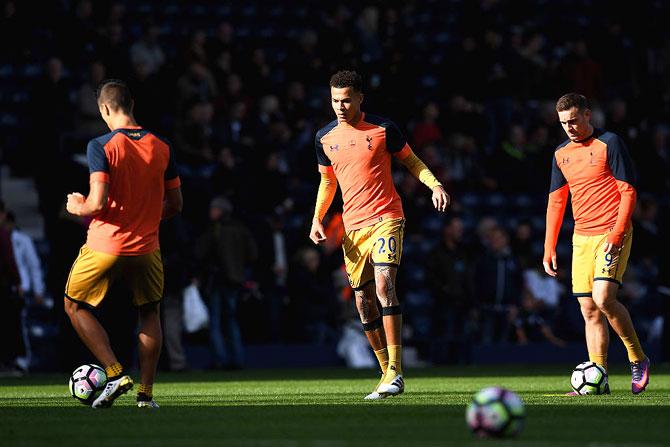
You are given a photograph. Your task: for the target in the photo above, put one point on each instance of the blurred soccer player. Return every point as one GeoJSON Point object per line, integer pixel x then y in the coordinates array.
{"type": "Point", "coordinates": [594, 166]}
{"type": "Point", "coordinates": [355, 150]}
{"type": "Point", "coordinates": [133, 185]}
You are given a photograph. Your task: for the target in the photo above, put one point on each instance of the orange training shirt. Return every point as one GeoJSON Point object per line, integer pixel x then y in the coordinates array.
{"type": "Point", "coordinates": [139, 167]}
{"type": "Point", "coordinates": [360, 157]}
{"type": "Point", "coordinates": [599, 174]}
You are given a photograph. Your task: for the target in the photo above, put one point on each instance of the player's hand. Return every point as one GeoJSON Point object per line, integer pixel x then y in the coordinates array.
{"type": "Point", "coordinates": [610, 248]}
{"type": "Point", "coordinates": [74, 203]}
{"type": "Point", "coordinates": [440, 199]}
{"type": "Point", "coordinates": [551, 269]}
{"type": "Point", "coordinates": [317, 234]}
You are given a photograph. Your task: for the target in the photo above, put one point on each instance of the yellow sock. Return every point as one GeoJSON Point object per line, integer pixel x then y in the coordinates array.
{"type": "Point", "coordinates": [600, 359]}
{"type": "Point", "coordinates": [114, 370]}
{"type": "Point", "coordinates": [383, 359]}
{"type": "Point", "coordinates": [634, 348]}
{"type": "Point", "coordinates": [146, 389]}
{"type": "Point", "coordinates": [395, 356]}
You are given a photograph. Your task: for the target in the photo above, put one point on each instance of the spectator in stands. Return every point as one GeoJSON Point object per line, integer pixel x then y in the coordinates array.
{"type": "Point", "coordinates": [498, 288]}
{"type": "Point", "coordinates": [11, 302]}
{"type": "Point", "coordinates": [539, 305]}
{"type": "Point", "coordinates": [313, 304]}
{"type": "Point", "coordinates": [28, 262]}
{"type": "Point", "coordinates": [427, 130]}
{"type": "Point", "coordinates": [148, 49]}
{"type": "Point", "coordinates": [450, 275]}
{"type": "Point", "coordinates": [500, 87]}
{"type": "Point", "coordinates": [179, 271]}
{"type": "Point", "coordinates": [224, 252]}
{"type": "Point", "coordinates": [89, 123]}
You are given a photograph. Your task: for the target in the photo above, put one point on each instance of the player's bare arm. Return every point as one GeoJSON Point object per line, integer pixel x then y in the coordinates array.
{"type": "Point", "coordinates": [91, 205]}
{"type": "Point", "coordinates": [173, 203]}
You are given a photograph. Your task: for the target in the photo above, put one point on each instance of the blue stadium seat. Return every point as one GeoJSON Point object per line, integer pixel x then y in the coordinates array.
{"type": "Point", "coordinates": [6, 71]}
{"type": "Point", "coordinates": [470, 200]}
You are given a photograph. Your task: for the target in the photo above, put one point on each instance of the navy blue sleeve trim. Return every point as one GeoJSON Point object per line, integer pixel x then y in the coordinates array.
{"type": "Point", "coordinates": [395, 140]}
{"type": "Point", "coordinates": [557, 178]}
{"type": "Point", "coordinates": [96, 157]}
{"type": "Point", "coordinates": [171, 171]}
{"type": "Point", "coordinates": [321, 157]}
{"type": "Point", "coordinates": [618, 159]}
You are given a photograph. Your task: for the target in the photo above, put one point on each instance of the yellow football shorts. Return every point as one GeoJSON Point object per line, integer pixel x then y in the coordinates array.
{"type": "Point", "coordinates": [590, 263]}
{"type": "Point", "coordinates": [378, 244]}
{"type": "Point", "coordinates": [93, 273]}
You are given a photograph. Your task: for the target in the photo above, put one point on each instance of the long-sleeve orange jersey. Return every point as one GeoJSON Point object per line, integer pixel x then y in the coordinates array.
{"type": "Point", "coordinates": [598, 173]}
{"type": "Point", "coordinates": [360, 156]}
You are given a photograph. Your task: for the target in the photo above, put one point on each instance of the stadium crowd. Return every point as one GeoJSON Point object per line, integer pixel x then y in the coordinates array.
{"type": "Point", "coordinates": [240, 88]}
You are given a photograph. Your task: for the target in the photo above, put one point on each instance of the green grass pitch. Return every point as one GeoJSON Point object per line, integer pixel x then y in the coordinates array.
{"type": "Point", "coordinates": [324, 408]}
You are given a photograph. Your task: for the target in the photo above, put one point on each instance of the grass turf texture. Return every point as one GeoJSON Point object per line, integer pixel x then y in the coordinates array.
{"type": "Point", "coordinates": [324, 407]}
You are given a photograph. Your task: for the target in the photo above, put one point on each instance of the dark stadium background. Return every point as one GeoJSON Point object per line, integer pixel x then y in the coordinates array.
{"type": "Point", "coordinates": [240, 88]}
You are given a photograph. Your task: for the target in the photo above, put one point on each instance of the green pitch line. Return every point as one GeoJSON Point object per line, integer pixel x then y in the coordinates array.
{"type": "Point", "coordinates": [324, 408]}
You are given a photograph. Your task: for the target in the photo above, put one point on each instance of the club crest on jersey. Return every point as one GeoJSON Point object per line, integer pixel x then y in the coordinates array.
{"type": "Point", "coordinates": [352, 143]}
{"type": "Point", "coordinates": [368, 138]}
{"type": "Point", "coordinates": [565, 161]}
{"type": "Point", "coordinates": [334, 148]}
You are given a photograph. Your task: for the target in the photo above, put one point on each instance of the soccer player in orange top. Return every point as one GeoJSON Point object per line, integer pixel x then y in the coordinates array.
{"type": "Point", "coordinates": [593, 166]}
{"type": "Point", "coordinates": [133, 185]}
{"type": "Point", "coordinates": [355, 150]}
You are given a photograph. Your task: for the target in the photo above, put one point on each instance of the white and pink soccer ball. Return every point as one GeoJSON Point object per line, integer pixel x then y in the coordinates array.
{"type": "Point", "coordinates": [496, 412]}
{"type": "Point", "coordinates": [589, 378]}
{"type": "Point", "coordinates": [86, 381]}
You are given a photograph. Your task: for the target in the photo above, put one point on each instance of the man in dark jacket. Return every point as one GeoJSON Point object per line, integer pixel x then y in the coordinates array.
{"type": "Point", "coordinates": [224, 251]}
{"type": "Point", "coordinates": [498, 289]}
{"type": "Point", "coordinates": [450, 276]}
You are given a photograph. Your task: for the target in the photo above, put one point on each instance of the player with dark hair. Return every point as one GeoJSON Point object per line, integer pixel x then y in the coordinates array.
{"type": "Point", "coordinates": [594, 167]}
{"type": "Point", "coordinates": [356, 150]}
{"type": "Point", "coordinates": [133, 185]}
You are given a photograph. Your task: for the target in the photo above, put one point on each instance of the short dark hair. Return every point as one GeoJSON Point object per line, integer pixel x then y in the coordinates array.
{"type": "Point", "coordinates": [570, 100]}
{"type": "Point", "coordinates": [347, 78]}
{"type": "Point", "coordinates": [116, 94]}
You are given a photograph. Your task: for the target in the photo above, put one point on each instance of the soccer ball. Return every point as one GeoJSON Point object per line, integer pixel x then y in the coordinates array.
{"type": "Point", "coordinates": [589, 378]}
{"type": "Point", "coordinates": [495, 412]}
{"type": "Point", "coordinates": [86, 381]}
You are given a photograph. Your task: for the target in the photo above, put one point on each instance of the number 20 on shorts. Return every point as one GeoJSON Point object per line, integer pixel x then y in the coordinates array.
{"type": "Point", "coordinates": [385, 244]}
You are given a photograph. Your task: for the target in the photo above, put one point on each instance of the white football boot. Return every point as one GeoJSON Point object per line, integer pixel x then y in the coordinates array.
{"type": "Point", "coordinates": [113, 389]}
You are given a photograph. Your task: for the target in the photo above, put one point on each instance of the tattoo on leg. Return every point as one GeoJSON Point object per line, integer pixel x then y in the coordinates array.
{"type": "Point", "coordinates": [363, 305]}
{"type": "Point", "coordinates": [383, 273]}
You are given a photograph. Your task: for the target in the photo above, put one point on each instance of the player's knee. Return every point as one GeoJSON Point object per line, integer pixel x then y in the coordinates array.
{"type": "Point", "coordinates": [591, 313]}
{"type": "Point", "coordinates": [384, 288]}
{"type": "Point", "coordinates": [602, 300]}
{"type": "Point", "coordinates": [607, 304]}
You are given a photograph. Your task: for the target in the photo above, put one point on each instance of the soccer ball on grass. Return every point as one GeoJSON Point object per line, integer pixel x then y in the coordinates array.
{"type": "Point", "coordinates": [496, 412]}
{"type": "Point", "coordinates": [86, 381]}
{"type": "Point", "coordinates": [589, 378]}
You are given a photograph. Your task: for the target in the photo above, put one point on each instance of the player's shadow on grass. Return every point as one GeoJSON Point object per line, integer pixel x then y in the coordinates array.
{"type": "Point", "coordinates": [333, 425]}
